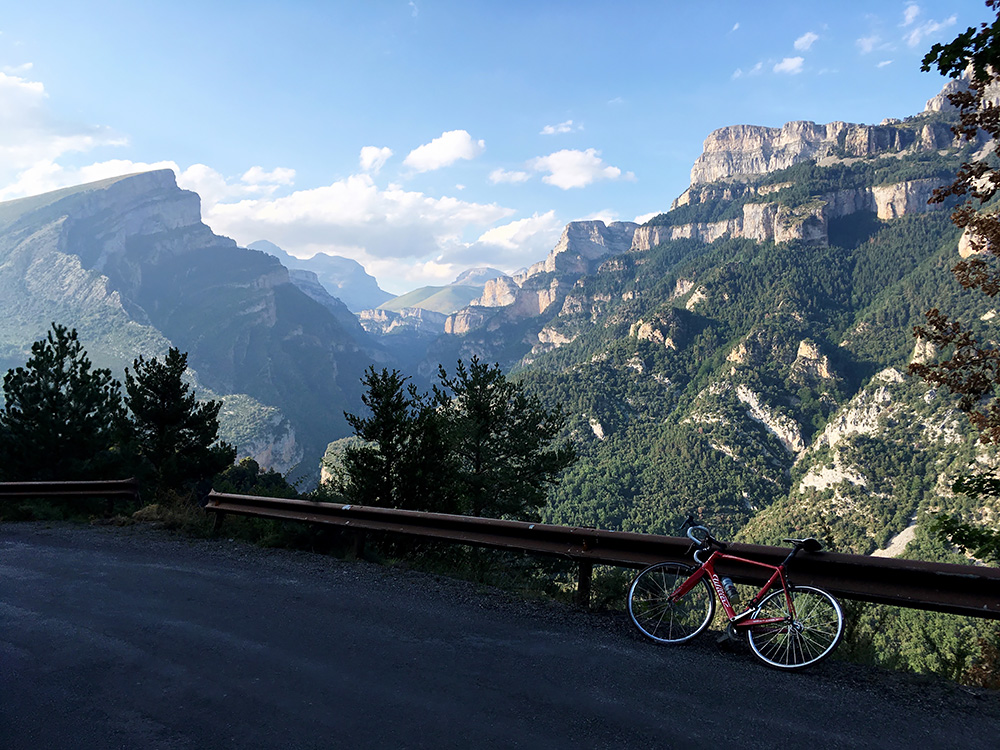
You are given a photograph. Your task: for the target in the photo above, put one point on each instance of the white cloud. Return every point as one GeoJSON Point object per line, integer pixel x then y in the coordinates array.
{"type": "Point", "coordinates": [735, 27]}
{"type": "Point", "coordinates": [278, 176]}
{"type": "Point", "coordinates": [448, 148]}
{"type": "Point", "coordinates": [868, 43]}
{"type": "Point", "coordinates": [910, 14]}
{"type": "Point", "coordinates": [516, 234]}
{"type": "Point", "coordinates": [883, 63]}
{"type": "Point", "coordinates": [354, 212]}
{"type": "Point", "coordinates": [920, 33]}
{"type": "Point", "coordinates": [643, 218]}
{"type": "Point", "coordinates": [501, 175]}
{"type": "Point", "coordinates": [18, 70]}
{"type": "Point", "coordinates": [571, 168]}
{"type": "Point", "coordinates": [47, 175]}
{"type": "Point", "coordinates": [563, 127]}
{"type": "Point", "coordinates": [790, 65]}
{"type": "Point", "coordinates": [755, 70]}
{"type": "Point", "coordinates": [805, 41]}
{"type": "Point", "coordinates": [32, 135]}
{"type": "Point", "coordinates": [373, 158]}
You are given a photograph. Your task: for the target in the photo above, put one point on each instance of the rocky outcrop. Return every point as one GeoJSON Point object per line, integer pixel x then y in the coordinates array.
{"type": "Point", "coordinates": [740, 150]}
{"type": "Point", "coordinates": [530, 293]}
{"type": "Point", "coordinates": [498, 292]}
{"type": "Point", "coordinates": [861, 415]}
{"type": "Point", "coordinates": [811, 364]}
{"type": "Point", "coordinates": [784, 428]}
{"type": "Point", "coordinates": [808, 222]}
{"type": "Point", "coordinates": [893, 201]}
{"type": "Point", "coordinates": [130, 264]}
{"type": "Point", "coordinates": [585, 241]}
{"type": "Point", "coordinates": [415, 320]}
{"type": "Point", "coordinates": [467, 320]}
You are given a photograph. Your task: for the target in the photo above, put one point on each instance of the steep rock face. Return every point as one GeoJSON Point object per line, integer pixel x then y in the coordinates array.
{"type": "Point", "coordinates": [584, 241]}
{"type": "Point", "coordinates": [498, 292]}
{"type": "Point", "coordinates": [130, 260]}
{"type": "Point", "coordinates": [893, 201]}
{"type": "Point", "coordinates": [740, 150]}
{"type": "Point", "coordinates": [808, 222]}
{"type": "Point", "coordinates": [416, 319]}
{"type": "Point", "coordinates": [508, 299]}
{"type": "Point", "coordinates": [343, 278]}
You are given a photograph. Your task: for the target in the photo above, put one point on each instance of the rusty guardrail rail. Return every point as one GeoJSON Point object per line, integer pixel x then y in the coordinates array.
{"type": "Point", "coordinates": [958, 589]}
{"type": "Point", "coordinates": [110, 489]}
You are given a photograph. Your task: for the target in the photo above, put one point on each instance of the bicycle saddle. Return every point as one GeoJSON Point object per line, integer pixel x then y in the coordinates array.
{"type": "Point", "coordinates": [808, 545]}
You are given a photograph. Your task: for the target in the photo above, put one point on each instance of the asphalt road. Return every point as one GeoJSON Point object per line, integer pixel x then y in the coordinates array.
{"type": "Point", "coordinates": [134, 638]}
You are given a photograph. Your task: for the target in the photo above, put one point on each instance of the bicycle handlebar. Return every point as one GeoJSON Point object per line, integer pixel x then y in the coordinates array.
{"type": "Point", "coordinates": [690, 533]}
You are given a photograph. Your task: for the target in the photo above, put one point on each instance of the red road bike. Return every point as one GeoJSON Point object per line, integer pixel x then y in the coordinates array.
{"type": "Point", "coordinates": [787, 627]}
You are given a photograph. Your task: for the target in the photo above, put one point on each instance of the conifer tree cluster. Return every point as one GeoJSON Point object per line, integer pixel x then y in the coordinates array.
{"type": "Point", "coordinates": [477, 444]}
{"type": "Point", "coordinates": [63, 419]}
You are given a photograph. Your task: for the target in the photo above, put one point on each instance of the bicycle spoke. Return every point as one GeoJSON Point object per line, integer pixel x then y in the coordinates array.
{"type": "Point", "coordinates": [661, 619]}
{"type": "Point", "coordinates": [810, 636]}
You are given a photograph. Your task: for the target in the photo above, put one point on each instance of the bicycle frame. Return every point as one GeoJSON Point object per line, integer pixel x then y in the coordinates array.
{"type": "Point", "coordinates": [707, 568]}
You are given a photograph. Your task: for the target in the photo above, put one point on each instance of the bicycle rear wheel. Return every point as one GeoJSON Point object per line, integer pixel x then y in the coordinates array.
{"type": "Point", "coordinates": [665, 621]}
{"type": "Point", "coordinates": [796, 643]}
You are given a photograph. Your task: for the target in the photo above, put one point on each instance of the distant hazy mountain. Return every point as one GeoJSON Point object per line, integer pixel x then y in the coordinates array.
{"type": "Point", "coordinates": [477, 276]}
{"type": "Point", "coordinates": [463, 291]}
{"type": "Point", "coordinates": [442, 299]}
{"type": "Point", "coordinates": [129, 264]}
{"type": "Point", "coordinates": [343, 278]}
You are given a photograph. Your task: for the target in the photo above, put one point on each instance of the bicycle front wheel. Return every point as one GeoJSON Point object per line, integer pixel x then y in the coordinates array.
{"type": "Point", "coordinates": [797, 642]}
{"type": "Point", "coordinates": [665, 621]}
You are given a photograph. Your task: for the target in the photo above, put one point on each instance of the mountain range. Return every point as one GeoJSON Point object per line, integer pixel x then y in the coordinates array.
{"type": "Point", "coordinates": [741, 356]}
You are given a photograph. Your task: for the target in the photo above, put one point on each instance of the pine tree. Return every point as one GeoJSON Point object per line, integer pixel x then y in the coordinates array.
{"type": "Point", "coordinates": [62, 418]}
{"type": "Point", "coordinates": [172, 434]}
{"type": "Point", "coordinates": [502, 439]}
{"type": "Point", "coordinates": [401, 460]}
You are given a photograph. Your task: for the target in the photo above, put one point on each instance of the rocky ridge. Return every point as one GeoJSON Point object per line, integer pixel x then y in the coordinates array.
{"type": "Point", "coordinates": [741, 150]}
{"type": "Point", "coordinates": [129, 263]}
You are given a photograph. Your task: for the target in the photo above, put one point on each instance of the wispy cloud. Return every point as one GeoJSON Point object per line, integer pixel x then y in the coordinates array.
{"type": "Point", "coordinates": [910, 14]}
{"type": "Point", "coordinates": [755, 70]}
{"type": "Point", "coordinates": [789, 66]}
{"type": "Point", "coordinates": [927, 29]}
{"type": "Point", "coordinates": [806, 41]}
{"type": "Point", "coordinates": [563, 127]}
{"type": "Point", "coordinates": [444, 150]}
{"type": "Point", "coordinates": [498, 176]}
{"type": "Point", "coordinates": [883, 63]}
{"type": "Point", "coordinates": [868, 43]}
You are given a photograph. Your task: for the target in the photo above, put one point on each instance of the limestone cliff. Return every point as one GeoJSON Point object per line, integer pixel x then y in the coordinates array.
{"type": "Point", "coordinates": [740, 150]}
{"type": "Point", "coordinates": [129, 263]}
{"type": "Point", "coordinates": [771, 221]}
{"type": "Point", "coordinates": [532, 292]}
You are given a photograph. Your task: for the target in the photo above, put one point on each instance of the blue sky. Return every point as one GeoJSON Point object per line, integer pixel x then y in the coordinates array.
{"type": "Point", "coordinates": [423, 137]}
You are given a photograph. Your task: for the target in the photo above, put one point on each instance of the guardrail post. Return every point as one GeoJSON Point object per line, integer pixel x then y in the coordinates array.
{"type": "Point", "coordinates": [358, 545]}
{"type": "Point", "coordinates": [583, 583]}
{"type": "Point", "coordinates": [217, 524]}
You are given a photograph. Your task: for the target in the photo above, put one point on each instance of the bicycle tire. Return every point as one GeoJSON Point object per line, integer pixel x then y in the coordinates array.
{"type": "Point", "coordinates": [810, 638]}
{"type": "Point", "coordinates": [664, 621]}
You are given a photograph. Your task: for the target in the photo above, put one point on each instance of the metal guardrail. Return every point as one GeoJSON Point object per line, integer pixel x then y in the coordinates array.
{"type": "Point", "coordinates": [958, 589]}
{"type": "Point", "coordinates": [110, 489]}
